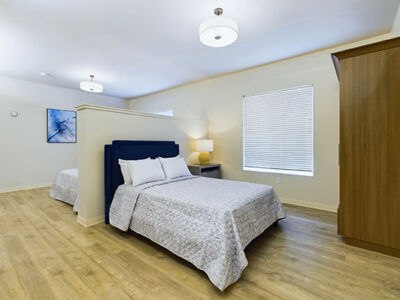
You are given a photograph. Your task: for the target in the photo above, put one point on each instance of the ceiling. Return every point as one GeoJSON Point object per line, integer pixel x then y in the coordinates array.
{"type": "Point", "coordinates": [139, 47]}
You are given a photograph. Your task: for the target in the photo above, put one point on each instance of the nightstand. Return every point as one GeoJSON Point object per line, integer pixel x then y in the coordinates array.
{"type": "Point", "coordinates": [212, 170]}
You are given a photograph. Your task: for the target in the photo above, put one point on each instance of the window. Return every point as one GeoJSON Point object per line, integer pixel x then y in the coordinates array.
{"type": "Point", "coordinates": [169, 113]}
{"type": "Point", "coordinates": [278, 132]}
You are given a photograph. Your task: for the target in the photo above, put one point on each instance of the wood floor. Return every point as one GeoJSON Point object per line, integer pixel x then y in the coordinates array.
{"type": "Point", "coordinates": [46, 254]}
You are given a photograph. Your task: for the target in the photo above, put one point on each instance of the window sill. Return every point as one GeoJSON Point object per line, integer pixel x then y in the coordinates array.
{"type": "Point", "coordinates": [277, 171]}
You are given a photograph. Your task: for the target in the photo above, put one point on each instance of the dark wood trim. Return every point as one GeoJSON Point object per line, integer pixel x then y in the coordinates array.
{"type": "Point", "coordinates": [372, 247]}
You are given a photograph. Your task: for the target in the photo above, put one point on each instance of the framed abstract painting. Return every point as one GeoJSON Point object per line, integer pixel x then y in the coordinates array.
{"type": "Point", "coordinates": [61, 126]}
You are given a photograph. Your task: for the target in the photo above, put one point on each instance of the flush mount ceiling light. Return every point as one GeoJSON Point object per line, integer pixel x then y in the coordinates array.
{"type": "Point", "coordinates": [218, 31]}
{"type": "Point", "coordinates": [91, 86]}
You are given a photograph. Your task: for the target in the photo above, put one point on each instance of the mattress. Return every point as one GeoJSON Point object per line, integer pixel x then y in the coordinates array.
{"type": "Point", "coordinates": [65, 187]}
{"type": "Point", "coordinates": [206, 221]}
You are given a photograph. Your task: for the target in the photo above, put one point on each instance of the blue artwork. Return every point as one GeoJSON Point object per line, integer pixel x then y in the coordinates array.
{"type": "Point", "coordinates": [61, 126]}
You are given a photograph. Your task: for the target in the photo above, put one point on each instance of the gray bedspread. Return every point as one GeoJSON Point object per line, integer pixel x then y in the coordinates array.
{"type": "Point", "coordinates": [206, 221]}
{"type": "Point", "coordinates": [65, 187]}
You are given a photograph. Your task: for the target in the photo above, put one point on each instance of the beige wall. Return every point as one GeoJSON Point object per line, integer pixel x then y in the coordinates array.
{"type": "Point", "coordinates": [220, 101]}
{"type": "Point", "coordinates": [26, 159]}
{"type": "Point", "coordinates": [99, 126]}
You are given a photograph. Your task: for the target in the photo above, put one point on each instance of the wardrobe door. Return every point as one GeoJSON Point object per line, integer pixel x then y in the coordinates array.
{"type": "Point", "coordinates": [370, 147]}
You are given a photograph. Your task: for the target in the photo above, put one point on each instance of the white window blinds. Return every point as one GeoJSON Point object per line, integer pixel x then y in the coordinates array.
{"type": "Point", "coordinates": [278, 131]}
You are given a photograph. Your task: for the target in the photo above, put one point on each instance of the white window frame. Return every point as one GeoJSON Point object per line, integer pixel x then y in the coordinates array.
{"type": "Point", "coordinates": [280, 171]}
{"type": "Point", "coordinates": [167, 112]}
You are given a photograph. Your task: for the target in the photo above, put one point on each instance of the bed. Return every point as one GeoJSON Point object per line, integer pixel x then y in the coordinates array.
{"type": "Point", "coordinates": [65, 187]}
{"type": "Point", "coordinates": [206, 221]}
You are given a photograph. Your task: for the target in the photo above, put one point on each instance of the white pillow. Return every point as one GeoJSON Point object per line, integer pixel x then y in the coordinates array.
{"type": "Point", "coordinates": [145, 170]}
{"type": "Point", "coordinates": [125, 171]}
{"type": "Point", "coordinates": [174, 167]}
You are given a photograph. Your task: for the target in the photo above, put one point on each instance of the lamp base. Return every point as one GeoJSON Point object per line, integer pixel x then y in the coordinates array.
{"type": "Point", "coordinates": [204, 158]}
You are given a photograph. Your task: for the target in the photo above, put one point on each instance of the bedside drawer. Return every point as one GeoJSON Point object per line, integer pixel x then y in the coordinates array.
{"type": "Point", "coordinates": [212, 170]}
{"type": "Point", "coordinates": [211, 173]}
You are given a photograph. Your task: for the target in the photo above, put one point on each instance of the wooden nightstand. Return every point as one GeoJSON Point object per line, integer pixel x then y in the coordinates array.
{"type": "Point", "coordinates": [212, 170]}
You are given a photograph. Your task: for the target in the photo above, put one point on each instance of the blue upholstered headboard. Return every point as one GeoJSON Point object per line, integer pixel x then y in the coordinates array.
{"type": "Point", "coordinates": [129, 150]}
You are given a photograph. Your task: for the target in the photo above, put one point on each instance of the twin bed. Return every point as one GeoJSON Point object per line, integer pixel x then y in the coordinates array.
{"type": "Point", "coordinates": [65, 187]}
{"type": "Point", "coordinates": [206, 221]}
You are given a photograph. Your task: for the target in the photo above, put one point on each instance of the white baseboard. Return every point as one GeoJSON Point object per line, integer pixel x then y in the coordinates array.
{"type": "Point", "coordinates": [319, 206]}
{"type": "Point", "coordinates": [25, 187]}
{"type": "Point", "coordinates": [90, 222]}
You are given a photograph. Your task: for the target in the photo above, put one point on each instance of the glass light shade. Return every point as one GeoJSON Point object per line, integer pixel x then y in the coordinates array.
{"type": "Point", "coordinates": [204, 145]}
{"type": "Point", "coordinates": [218, 31]}
{"type": "Point", "coordinates": [92, 87]}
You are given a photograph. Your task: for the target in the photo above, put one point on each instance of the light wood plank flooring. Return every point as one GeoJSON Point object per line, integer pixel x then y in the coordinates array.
{"type": "Point", "coordinates": [46, 254]}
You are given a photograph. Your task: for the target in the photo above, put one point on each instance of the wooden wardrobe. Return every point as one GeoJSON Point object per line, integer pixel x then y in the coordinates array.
{"type": "Point", "coordinates": [369, 151]}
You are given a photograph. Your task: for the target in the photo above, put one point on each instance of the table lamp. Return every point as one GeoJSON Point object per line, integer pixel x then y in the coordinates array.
{"type": "Point", "coordinates": [204, 147]}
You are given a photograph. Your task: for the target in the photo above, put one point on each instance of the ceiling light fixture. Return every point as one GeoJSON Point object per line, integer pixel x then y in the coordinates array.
{"type": "Point", "coordinates": [91, 86]}
{"type": "Point", "coordinates": [218, 31]}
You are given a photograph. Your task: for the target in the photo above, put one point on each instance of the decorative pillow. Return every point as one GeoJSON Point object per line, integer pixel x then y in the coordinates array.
{"type": "Point", "coordinates": [145, 170]}
{"type": "Point", "coordinates": [174, 167]}
{"type": "Point", "coordinates": [125, 171]}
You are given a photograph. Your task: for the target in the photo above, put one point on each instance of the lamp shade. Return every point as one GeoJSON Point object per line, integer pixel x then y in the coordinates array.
{"type": "Point", "coordinates": [218, 31]}
{"type": "Point", "coordinates": [204, 145]}
{"type": "Point", "coordinates": [91, 87]}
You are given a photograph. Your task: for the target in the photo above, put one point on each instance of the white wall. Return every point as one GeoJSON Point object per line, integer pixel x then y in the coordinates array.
{"type": "Point", "coordinates": [396, 24]}
{"type": "Point", "coordinates": [220, 101]}
{"type": "Point", "coordinates": [26, 159]}
{"type": "Point", "coordinates": [100, 126]}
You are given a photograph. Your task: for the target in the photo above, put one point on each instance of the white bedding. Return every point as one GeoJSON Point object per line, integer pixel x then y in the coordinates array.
{"type": "Point", "coordinates": [65, 187]}
{"type": "Point", "coordinates": [206, 221]}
